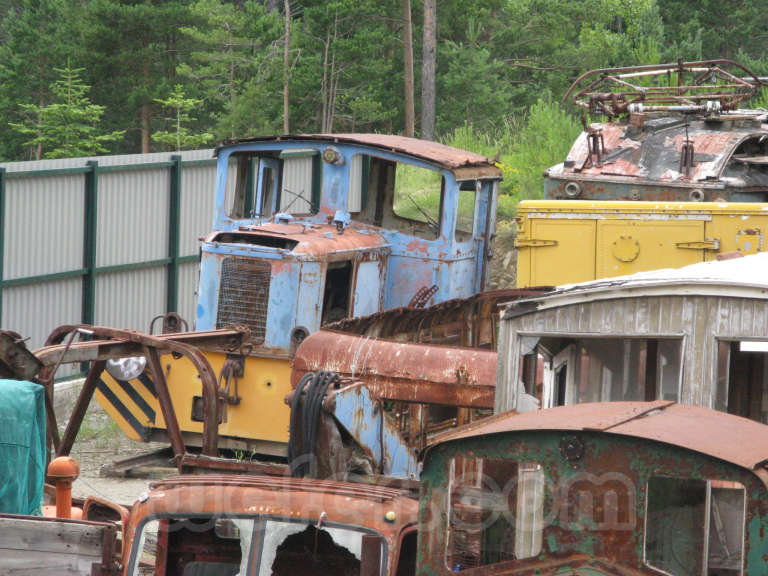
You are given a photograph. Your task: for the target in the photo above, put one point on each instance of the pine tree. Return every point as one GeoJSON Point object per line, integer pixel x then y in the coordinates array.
{"type": "Point", "coordinates": [180, 137]}
{"type": "Point", "coordinates": [69, 125]}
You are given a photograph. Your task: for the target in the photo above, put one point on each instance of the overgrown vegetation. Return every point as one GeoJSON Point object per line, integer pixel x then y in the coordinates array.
{"type": "Point", "coordinates": [265, 66]}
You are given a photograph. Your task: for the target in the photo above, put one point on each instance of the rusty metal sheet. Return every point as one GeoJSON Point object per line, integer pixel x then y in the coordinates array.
{"type": "Point", "coordinates": [312, 240]}
{"type": "Point", "coordinates": [689, 427]}
{"type": "Point", "coordinates": [403, 371]}
{"type": "Point", "coordinates": [287, 483]}
{"type": "Point", "coordinates": [434, 152]}
{"type": "Point", "coordinates": [459, 321]}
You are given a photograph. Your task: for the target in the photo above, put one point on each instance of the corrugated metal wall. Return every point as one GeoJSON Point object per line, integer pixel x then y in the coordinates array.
{"type": "Point", "coordinates": [699, 320]}
{"type": "Point", "coordinates": [45, 253]}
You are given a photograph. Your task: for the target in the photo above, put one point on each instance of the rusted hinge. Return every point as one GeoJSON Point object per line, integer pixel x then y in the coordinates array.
{"type": "Point", "coordinates": [700, 245]}
{"type": "Point", "coordinates": [534, 243]}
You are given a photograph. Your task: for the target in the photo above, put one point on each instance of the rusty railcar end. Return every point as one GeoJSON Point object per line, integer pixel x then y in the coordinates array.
{"type": "Point", "coordinates": [621, 488]}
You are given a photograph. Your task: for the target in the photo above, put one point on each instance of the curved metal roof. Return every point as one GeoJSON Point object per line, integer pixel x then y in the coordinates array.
{"type": "Point", "coordinates": [745, 277]}
{"type": "Point", "coordinates": [702, 430]}
{"type": "Point", "coordinates": [434, 152]}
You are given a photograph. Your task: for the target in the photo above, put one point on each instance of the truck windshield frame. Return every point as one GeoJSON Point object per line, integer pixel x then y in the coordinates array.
{"type": "Point", "coordinates": [254, 541]}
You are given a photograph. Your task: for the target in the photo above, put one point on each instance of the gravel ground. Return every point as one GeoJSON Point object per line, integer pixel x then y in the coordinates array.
{"type": "Point", "coordinates": [101, 442]}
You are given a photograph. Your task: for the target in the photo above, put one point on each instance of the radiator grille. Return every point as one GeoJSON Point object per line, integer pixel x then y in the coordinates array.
{"type": "Point", "coordinates": [244, 295]}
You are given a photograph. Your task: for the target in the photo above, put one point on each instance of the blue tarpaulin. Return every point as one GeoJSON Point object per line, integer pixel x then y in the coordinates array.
{"type": "Point", "coordinates": [22, 446]}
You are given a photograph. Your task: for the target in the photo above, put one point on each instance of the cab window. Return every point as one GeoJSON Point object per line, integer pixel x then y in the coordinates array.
{"type": "Point", "coordinates": [465, 215]}
{"type": "Point", "coordinates": [418, 197]}
{"type": "Point", "coordinates": [575, 370]}
{"type": "Point", "coordinates": [695, 526]}
{"type": "Point", "coordinates": [742, 379]}
{"type": "Point", "coordinates": [260, 186]}
{"type": "Point", "coordinates": [396, 196]}
{"type": "Point", "coordinates": [495, 511]}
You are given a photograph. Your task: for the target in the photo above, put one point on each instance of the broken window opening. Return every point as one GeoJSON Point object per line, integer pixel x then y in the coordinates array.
{"type": "Point", "coordinates": [300, 182]}
{"type": "Point", "coordinates": [695, 526]}
{"type": "Point", "coordinates": [741, 387]}
{"type": "Point", "coordinates": [210, 546]}
{"type": "Point", "coordinates": [402, 197]}
{"type": "Point", "coordinates": [261, 186]}
{"type": "Point", "coordinates": [241, 185]}
{"type": "Point", "coordinates": [465, 215]}
{"type": "Point", "coordinates": [495, 511]}
{"type": "Point", "coordinates": [359, 174]}
{"type": "Point", "coordinates": [199, 546]}
{"type": "Point", "coordinates": [338, 288]}
{"type": "Point", "coordinates": [749, 165]}
{"type": "Point", "coordinates": [288, 548]}
{"type": "Point", "coordinates": [593, 369]}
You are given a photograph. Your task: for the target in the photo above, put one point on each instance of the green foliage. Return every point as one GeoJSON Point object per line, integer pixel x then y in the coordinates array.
{"type": "Point", "coordinates": [495, 60]}
{"type": "Point", "coordinates": [546, 136]}
{"type": "Point", "coordinates": [236, 63]}
{"type": "Point", "coordinates": [37, 36]}
{"type": "Point", "coordinates": [69, 125]}
{"type": "Point", "coordinates": [474, 79]}
{"type": "Point", "coordinates": [180, 137]}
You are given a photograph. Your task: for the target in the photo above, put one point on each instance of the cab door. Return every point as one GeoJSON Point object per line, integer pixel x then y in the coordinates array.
{"type": "Point", "coordinates": [367, 294]}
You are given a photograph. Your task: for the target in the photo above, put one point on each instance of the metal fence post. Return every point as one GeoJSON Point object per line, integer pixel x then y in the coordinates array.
{"type": "Point", "coordinates": [2, 237]}
{"type": "Point", "coordinates": [174, 220]}
{"type": "Point", "coordinates": [89, 241]}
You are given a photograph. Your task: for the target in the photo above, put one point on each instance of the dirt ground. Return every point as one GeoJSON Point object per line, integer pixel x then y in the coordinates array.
{"type": "Point", "coordinates": [101, 442]}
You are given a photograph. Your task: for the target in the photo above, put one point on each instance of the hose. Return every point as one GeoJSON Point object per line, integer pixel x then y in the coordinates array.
{"type": "Point", "coordinates": [301, 456]}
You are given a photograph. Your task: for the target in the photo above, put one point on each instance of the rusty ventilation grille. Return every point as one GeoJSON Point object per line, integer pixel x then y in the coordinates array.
{"type": "Point", "coordinates": [244, 295]}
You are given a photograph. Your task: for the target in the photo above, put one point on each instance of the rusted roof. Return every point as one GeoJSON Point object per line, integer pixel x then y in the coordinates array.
{"type": "Point", "coordinates": [730, 438]}
{"type": "Point", "coordinates": [652, 153]}
{"type": "Point", "coordinates": [433, 152]}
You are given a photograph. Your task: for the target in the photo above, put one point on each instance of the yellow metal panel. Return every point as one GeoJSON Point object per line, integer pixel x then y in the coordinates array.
{"type": "Point", "coordinates": [261, 413]}
{"type": "Point", "coordinates": [629, 246]}
{"type": "Point", "coordinates": [570, 259]}
{"type": "Point", "coordinates": [739, 231]}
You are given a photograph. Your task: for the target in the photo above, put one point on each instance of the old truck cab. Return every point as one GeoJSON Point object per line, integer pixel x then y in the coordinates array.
{"type": "Point", "coordinates": [308, 230]}
{"type": "Point", "coordinates": [254, 525]}
{"type": "Point", "coordinates": [625, 488]}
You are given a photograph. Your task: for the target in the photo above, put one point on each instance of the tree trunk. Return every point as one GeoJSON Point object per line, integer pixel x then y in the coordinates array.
{"type": "Point", "coordinates": [324, 86]}
{"type": "Point", "coordinates": [145, 129]}
{"type": "Point", "coordinates": [428, 71]}
{"type": "Point", "coordinates": [286, 70]}
{"type": "Point", "coordinates": [410, 114]}
{"type": "Point", "coordinates": [145, 118]}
